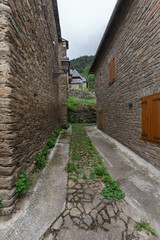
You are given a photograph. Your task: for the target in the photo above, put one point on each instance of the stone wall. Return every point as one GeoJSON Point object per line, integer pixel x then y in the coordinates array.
{"type": "Point", "coordinates": [30, 109]}
{"type": "Point", "coordinates": [81, 94]}
{"type": "Point", "coordinates": [82, 114]}
{"type": "Point", "coordinates": [135, 44]}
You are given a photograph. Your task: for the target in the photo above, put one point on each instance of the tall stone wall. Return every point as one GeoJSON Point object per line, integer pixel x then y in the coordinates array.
{"type": "Point", "coordinates": [29, 96]}
{"type": "Point", "coordinates": [135, 44]}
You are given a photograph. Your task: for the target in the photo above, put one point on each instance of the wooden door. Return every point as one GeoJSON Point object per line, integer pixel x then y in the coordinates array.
{"type": "Point", "coordinates": [100, 119]}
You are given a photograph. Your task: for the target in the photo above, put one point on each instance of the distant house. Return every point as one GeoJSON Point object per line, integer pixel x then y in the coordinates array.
{"type": "Point", "coordinates": [127, 77]}
{"type": "Point", "coordinates": [76, 81]}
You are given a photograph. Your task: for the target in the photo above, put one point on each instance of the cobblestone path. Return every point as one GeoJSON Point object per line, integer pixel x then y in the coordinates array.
{"type": "Point", "coordinates": [88, 215]}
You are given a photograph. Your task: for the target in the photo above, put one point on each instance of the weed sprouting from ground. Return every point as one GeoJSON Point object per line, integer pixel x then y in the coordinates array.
{"type": "Point", "coordinates": [1, 201]}
{"type": "Point", "coordinates": [22, 185]}
{"type": "Point", "coordinates": [83, 155]}
{"type": "Point", "coordinates": [144, 224]}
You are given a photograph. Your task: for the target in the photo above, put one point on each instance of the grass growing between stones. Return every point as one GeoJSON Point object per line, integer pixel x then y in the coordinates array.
{"type": "Point", "coordinates": [1, 201]}
{"type": "Point", "coordinates": [83, 155]}
{"type": "Point", "coordinates": [24, 180]}
{"type": "Point", "coordinates": [22, 185]}
{"type": "Point", "coordinates": [41, 157]}
{"type": "Point", "coordinates": [144, 224]}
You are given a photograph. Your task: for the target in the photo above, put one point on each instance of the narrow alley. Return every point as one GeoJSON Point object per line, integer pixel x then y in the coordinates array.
{"type": "Point", "coordinates": [82, 212]}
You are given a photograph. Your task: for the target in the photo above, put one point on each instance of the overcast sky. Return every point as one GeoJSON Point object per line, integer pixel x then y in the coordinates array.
{"type": "Point", "coordinates": [83, 23]}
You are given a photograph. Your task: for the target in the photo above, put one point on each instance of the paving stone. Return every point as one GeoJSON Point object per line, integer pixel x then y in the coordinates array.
{"type": "Point", "coordinates": [70, 197]}
{"type": "Point", "coordinates": [78, 186]}
{"type": "Point", "coordinates": [101, 206]}
{"type": "Point", "coordinates": [75, 212]}
{"type": "Point", "coordinates": [83, 226]}
{"type": "Point", "coordinates": [88, 220]}
{"type": "Point", "coordinates": [88, 207]}
{"type": "Point", "coordinates": [104, 215]}
{"type": "Point", "coordinates": [69, 205]}
{"type": "Point", "coordinates": [80, 191]}
{"type": "Point", "coordinates": [49, 237]}
{"type": "Point", "coordinates": [96, 201]}
{"type": "Point", "coordinates": [67, 222]}
{"type": "Point", "coordinates": [86, 196]}
{"type": "Point", "coordinates": [76, 220]}
{"type": "Point", "coordinates": [65, 213]}
{"type": "Point", "coordinates": [121, 225]}
{"type": "Point", "coordinates": [85, 186]}
{"type": "Point", "coordinates": [76, 198]}
{"type": "Point", "coordinates": [106, 226]}
{"type": "Point", "coordinates": [80, 195]}
{"type": "Point", "coordinates": [131, 225]}
{"type": "Point", "coordinates": [123, 217]}
{"type": "Point", "coordinates": [57, 225]}
{"type": "Point", "coordinates": [89, 191]}
{"type": "Point", "coordinates": [71, 191]}
{"type": "Point", "coordinates": [71, 183]}
{"type": "Point", "coordinates": [82, 181]}
{"type": "Point", "coordinates": [125, 236]}
{"type": "Point", "coordinates": [80, 207]}
{"type": "Point", "coordinates": [99, 219]}
{"type": "Point", "coordinates": [110, 211]}
{"type": "Point", "coordinates": [94, 213]}
{"type": "Point", "coordinates": [113, 221]}
{"type": "Point", "coordinates": [119, 206]}
{"type": "Point", "coordinates": [114, 207]}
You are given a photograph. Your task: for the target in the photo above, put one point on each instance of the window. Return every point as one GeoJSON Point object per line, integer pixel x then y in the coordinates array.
{"type": "Point", "coordinates": [112, 71]}
{"type": "Point", "coordinates": [151, 118]}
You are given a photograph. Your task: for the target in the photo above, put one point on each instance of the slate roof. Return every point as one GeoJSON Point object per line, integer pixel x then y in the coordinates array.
{"type": "Point", "coordinates": [76, 77]}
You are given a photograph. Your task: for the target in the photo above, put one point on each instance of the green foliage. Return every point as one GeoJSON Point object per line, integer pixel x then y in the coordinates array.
{"type": "Point", "coordinates": [111, 189]}
{"type": "Point", "coordinates": [1, 201]}
{"type": "Point", "coordinates": [146, 225]}
{"type": "Point", "coordinates": [40, 161]}
{"type": "Point", "coordinates": [74, 179]}
{"type": "Point", "coordinates": [85, 177]}
{"type": "Point", "coordinates": [81, 147]}
{"type": "Point", "coordinates": [66, 126]}
{"type": "Point", "coordinates": [22, 185]}
{"type": "Point", "coordinates": [89, 77]}
{"type": "Point", "coordinates": [80, 63]}
{"type": "Point", "coordinates": [45, 150]}
{"type": "Point", "coordinates": [100, 170]}
{"type": "Point", "coordinates": [72, 167]}
{"type": "Point", "coordinates": [51, 142]}
{"type": "Point", "coordinates": [41, 157]}
{"type": "Point", "coordinates": [74, 103]}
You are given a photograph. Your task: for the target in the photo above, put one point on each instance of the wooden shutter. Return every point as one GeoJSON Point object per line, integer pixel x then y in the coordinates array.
{"type": "Point", "coordinates": [112, 71]}
{"type": "Point", "coordinates": [145, 123]}
{"type": "Point", "coordinates": [155, 118]}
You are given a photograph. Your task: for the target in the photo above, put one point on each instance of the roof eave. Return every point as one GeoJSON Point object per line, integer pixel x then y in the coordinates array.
{"type": "Point", "coordinates": [56, 14]}
{"type": "Point", "coordinates": [106, 34]}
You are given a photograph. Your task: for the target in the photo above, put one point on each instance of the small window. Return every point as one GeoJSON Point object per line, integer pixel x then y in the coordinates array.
{"type": "Point", "coordinates": [151, 118]}
{"type": "Point", "coordinates": [112, 71]}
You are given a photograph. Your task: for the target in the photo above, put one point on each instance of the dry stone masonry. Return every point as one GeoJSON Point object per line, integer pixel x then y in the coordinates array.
{"type": "Point", "coordinates": [133, 40]}
{"type": "Point", "coordinates": [31, 100]}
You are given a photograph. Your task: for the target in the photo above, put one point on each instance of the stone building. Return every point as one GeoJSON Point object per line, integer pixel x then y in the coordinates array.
{"type": "Point", "coordinates": [76, 81]}
{"type": "Point", "coordinates": [32, 101]}
{"type": "Point", "coordinates": [127, 77]}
